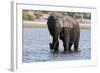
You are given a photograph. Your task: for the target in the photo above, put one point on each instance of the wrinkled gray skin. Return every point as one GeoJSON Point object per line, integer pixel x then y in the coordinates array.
{"type": "Point", "coordinates": [67, 29]}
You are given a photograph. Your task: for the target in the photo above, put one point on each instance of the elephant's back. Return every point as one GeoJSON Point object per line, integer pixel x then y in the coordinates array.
{"type": "Point", "coordinates": [74, 27]}
{"type": "Point", "coordinates": [70, 22]}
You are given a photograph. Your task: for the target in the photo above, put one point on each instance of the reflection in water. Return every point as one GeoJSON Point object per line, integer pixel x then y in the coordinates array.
{"type": "Point", "coordinates": [36, 46]}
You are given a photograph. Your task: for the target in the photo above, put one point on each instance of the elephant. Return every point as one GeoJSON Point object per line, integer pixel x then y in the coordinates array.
{"type": "Point", "coordinates": [64, 28]}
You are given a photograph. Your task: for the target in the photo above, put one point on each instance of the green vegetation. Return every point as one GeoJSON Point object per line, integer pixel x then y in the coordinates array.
{"type": "Point", "coordinates": [87, 16]}
{"type": "Point", "coordinates": [59, 14]}
{"type": "Point", "coordinates": [38, 14]}
{"type": "Point", "coordinates": [32, 16]}
{"type": "Point", "coordinates": [27, 16]}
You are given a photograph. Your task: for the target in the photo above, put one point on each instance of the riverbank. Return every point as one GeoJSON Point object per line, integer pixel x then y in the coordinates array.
{"type": "Point", "coordinates": [36, 24]}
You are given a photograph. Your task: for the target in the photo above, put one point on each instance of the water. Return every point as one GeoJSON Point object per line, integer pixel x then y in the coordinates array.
{"type": "Point", "coordinates": [36, 46]}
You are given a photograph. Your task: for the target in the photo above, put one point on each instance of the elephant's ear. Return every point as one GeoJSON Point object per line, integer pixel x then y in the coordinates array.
{"type": "Point", "coordinates": [61, 22]}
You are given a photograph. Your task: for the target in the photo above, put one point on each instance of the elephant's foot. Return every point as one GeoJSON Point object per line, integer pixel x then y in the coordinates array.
{"type": "Point", "coordinates": [69, 50]}
{"type": "Point", "coordinates": [51, 46]}
{"type": "Point", "coordinates": [76, 47]}
{"type": "Point", "coordinates": [76, 50]}
{"type": "Point", "coordinates": [54, 46]}
{"type": "Point", "coordinates": [65, 52]}
{"type": "Point", "coordinates": [56, 52]}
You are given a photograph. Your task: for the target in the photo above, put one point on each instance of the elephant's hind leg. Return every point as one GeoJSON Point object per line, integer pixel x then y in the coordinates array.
{"type": "Point", "coordinates": [69, 49]}
{"type": "Point", "coordinates": [66, 41]}
{"type": "Point", "coordinates": [76, 45]}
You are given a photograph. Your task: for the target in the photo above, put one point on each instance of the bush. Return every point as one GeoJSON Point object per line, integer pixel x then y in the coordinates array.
{"type": "Point", "coordinates": [38, 14]}
{"type": "Point", "coordinates": [27, 16]}
{"type": "Point", "coordinates": [87, 16]}
{"type": "Point", "coordinates": [71, 14]}
{"type": "Point", "coordinates": [64, 13]}
{"type": "Point", "coordinates": [58, 14]}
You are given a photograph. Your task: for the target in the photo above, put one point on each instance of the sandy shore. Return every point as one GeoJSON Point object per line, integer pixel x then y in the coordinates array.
{"type": "Point", "coordinates": [33, 24]}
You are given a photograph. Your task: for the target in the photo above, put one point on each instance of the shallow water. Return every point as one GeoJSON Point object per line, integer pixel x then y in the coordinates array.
{"type": "Point", "coordinates": [36, 46]}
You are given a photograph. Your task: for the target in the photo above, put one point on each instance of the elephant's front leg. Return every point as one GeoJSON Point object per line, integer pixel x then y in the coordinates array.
{"type": "Point", "coordinates": [66, 39]}
{"type": "Point", "coordinates": [55, 43]}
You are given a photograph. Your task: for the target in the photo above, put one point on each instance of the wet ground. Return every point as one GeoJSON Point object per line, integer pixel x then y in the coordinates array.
{"type": "Point", "coordinates": [36, 46]}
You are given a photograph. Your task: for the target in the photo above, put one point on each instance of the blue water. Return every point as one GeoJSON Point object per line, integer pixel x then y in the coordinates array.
{"type": "Point", "coordinates": [36, 46]}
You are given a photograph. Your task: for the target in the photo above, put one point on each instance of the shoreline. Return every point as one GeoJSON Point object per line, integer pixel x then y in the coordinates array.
{"type": "Point", "coordinates": [27, 24]}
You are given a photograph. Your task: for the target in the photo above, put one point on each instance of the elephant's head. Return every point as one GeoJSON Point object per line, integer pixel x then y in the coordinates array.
{"type": "Point", "coordinates": [54, 26]}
